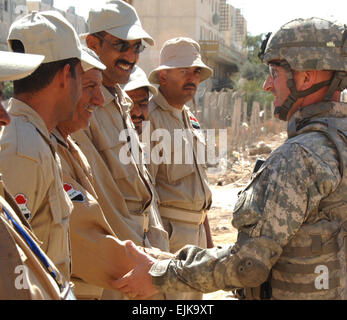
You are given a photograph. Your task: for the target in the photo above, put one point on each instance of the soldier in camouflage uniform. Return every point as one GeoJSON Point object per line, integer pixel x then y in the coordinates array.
{"type": "Point", "coordinates": [292, 216]}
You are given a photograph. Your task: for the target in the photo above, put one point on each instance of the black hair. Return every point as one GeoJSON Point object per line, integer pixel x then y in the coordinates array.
{"type": "Point", "coordinates": [43, 75]}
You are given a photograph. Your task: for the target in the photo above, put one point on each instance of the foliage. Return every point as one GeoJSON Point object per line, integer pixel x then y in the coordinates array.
{"type": "Point", "coordinates": [252, 74]}
{"type": "Point", "coordinates": [7, 90]}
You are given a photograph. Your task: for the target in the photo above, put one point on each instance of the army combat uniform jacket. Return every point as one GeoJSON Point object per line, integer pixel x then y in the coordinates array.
{"type": "Point", "coordinates": [32, 173]}
{"type": "Point", "coordinates": [97, 258]}
{"type": "Point", "coordinates": [291, 219]}
{"type": "Point", "coordinates": [26, 271]}
{"type": "Point", "coordinates": [184, 194]}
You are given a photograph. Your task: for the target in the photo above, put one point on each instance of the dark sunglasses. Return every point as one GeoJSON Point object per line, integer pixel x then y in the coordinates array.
{"type": "Point", "coordinates": [123, 46]}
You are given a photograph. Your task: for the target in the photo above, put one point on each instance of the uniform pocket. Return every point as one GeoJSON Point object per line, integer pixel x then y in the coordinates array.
{"type": "Point", "coordinates": [176, 172]}
{"type": "Point", "coordinates": [183, 234]}
{"type": "Point", "coordinates": [118, 159]}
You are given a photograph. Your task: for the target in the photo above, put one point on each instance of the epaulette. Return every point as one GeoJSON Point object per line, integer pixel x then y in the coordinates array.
{"type": "Point", "coordinates": [30, 143]}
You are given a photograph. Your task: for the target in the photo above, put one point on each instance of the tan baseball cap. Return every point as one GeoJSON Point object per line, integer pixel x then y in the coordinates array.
{"type": "Point", "coordinates": [49, 34]}
{"type": "Point", "coordinates": [118, 18]}
{"type": "Point", "coordinates": [180, 52]}
{"type": "Point", "coordinates": [93, 54]}
{"type": "Point", "coordinates": [138, 79]}
{"type": "Point", "coordinates": [14, 66]}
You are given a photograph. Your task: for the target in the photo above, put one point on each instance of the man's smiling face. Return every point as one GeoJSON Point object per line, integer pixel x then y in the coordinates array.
{"type": "Point", "coordinates": [119, 64]}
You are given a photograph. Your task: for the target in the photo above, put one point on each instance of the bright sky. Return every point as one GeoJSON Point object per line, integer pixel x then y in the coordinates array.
{"type": "Point", "coordinates": [262, 15]}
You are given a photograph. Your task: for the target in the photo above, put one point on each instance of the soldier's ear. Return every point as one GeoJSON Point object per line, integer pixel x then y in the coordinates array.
{"type": "Point", "coordinates": [94, 43]}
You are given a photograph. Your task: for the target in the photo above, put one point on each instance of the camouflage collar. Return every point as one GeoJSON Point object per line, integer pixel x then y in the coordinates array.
{"type": "Point", "coordinates": [318, 110]}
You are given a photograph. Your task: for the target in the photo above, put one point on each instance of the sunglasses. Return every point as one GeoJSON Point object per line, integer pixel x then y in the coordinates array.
{"type": "Point", "coordinates": [124, 46]}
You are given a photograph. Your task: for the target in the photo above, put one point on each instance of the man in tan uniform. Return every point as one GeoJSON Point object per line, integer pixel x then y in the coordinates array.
{"type": "Point", "coordinates": [97, 257]}
{"type": "Point", "coordinates": [139, 89]}
{"type": "Point", "coordinates": [183, 190]}
{"type": "Point", "coordinates": [28, 161]}
{"type": "Point", "coordinates": [124, 190]}
{"type": "Point", "coordinates": [26, 272]}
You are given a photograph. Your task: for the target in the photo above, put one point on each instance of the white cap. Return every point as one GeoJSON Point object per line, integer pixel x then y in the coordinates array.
{"type": "Point", "coordinates": [138, 79]}
{"type": "Point", "coordinates": [180, 52]}
{"type": "Point", "coordinates": [118, 18]}
{"type": "Point", "coordinates": [49, 34]}
{"type": "Point", "coordinates": [14, 66]}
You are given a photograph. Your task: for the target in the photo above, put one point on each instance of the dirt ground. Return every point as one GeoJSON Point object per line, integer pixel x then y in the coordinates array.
{"type": "Point", "coordinates": [224, 190]}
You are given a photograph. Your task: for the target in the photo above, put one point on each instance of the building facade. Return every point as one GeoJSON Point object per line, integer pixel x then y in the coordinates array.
{"type": "Point", "coordinates": [10, 10]}
{"type": "Point", "coordinates": [77, 21]}
{"type": "Point", "coordinates": [219, 28]}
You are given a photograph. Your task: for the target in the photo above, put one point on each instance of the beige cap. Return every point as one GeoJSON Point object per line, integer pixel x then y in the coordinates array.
{"type": "Point", "coordinates": [180, 52]}
{"type": "Point", "coordinates": [138, 79]}
{"type": "Point", "coordinates": [94, 55]}
{"type": "Point", "coordinates": [49, 34]}
{"type": "Point", "coordinates": [118, 18]}
{"type": "Point", "coordinates": [14, 66]}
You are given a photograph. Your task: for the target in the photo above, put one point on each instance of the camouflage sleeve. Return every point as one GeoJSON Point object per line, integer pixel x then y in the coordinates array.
{"type": "Point", "coordinates": [218, 268]}
{"type": "Point", "coordinates": [269, 211]}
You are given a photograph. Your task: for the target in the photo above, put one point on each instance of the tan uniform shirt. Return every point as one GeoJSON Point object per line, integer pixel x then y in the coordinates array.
{"type": "Point", "coordinates": [23, 274]}
{"type": "Point", "coordinates": [95, 261]}
{"type": "Point", "coordinates": [124, 190]}
{"type": "Point", "coordinates": [32, 173]}
{"type": "Point", "coordinates": [182, 187]}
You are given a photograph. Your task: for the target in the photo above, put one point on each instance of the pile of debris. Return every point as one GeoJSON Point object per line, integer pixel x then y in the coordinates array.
{"type": "Point", "coordinates": [239, 164]}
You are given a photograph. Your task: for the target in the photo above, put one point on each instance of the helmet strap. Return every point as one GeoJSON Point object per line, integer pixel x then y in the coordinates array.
{"type": "Point", "coordinates": [338, 83]}
{"type": "Point", "coordinates": [294, 95]}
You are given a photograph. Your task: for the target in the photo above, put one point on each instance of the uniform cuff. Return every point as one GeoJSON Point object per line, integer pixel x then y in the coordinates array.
{"type": "Point", "coordinates": [158, 271]}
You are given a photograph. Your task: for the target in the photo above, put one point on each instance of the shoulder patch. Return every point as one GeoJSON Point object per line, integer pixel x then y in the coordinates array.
{"type": "Point", "coordinates": [22, 204]}
{"type": "Point", "coordinates": [193, 121]}
{"type": "Point", "coordinates": [74, 195]}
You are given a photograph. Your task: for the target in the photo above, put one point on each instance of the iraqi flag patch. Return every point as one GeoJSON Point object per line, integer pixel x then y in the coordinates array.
{"type": "Point", "coordinates": [22, 204]}
{"type": "Point", "coordinates": [73, 194]}
{"type": "Point", "coordinates": [194, 122]}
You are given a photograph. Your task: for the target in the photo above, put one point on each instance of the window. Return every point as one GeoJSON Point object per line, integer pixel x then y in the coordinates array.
{"type": "Point", "coordinates": [6, 5]}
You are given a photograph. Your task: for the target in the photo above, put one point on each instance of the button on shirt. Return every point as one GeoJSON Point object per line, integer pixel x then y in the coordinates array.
{"type": "Point", "coordinates": [32, 173]}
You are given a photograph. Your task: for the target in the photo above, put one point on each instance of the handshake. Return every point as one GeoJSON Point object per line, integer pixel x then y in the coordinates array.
{"type": "Point", "coordinates": [137, 283]}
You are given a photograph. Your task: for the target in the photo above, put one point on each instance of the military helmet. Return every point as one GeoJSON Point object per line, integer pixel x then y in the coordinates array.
{"type": "Point", "coordinates": [309, 44]}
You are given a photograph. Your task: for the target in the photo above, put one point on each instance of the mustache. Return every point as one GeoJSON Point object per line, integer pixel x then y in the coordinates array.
{"type": "Point", "coordinates": [189, 85]}
{"type": "Point", "coordinates": [123, 62]}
